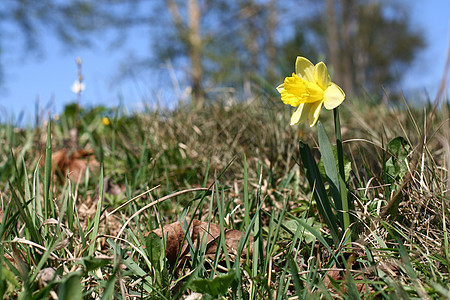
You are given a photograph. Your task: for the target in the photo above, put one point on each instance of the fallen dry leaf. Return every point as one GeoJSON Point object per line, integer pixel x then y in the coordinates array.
{"type": "Point", "coordinates": [336, 274]}
{"type": "Point", "coordinates": [73, 164]}
{"type": "Point", "coordinates": [178, 245]}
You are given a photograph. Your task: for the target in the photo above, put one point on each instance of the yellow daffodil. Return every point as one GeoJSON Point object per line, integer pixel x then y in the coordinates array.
{"type": "Point", "coordinates": [308, 89]}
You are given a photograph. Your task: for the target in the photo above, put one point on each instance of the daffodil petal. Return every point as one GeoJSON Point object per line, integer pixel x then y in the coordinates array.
{"type": "Point", "coordinates": [280, 88]}
{"type": "Point", "coordinates": [300, 114]}
{"type": "Point", "coordinates": [321, 75]}
{"type": "Point", "coordinates": [333, 96]}
{"type": "Point", "coordinates": [304, 68]}
{"type": "Point", "coordinates": [314, 112]}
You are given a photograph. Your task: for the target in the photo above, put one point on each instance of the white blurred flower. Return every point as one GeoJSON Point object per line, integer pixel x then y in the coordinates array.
{"type": "Point", "coordinates": [78, 87]}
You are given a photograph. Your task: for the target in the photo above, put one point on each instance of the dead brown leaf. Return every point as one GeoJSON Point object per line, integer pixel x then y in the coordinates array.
{"type": "Point", "coordinates": [336, 274]}
{"type": "Point", "coordinates": [178, 245]}
{"type": "Point", "coordinates": [72, 164]}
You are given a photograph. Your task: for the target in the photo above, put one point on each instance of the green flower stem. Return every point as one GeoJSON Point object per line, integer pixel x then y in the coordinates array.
{"type": "Point", "coordinates": [342, 184]}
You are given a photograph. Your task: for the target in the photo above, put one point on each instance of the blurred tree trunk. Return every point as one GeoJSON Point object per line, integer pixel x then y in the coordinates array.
{"type": "Point", "coordinates": [191, 37]}
{"type": "Point", "coordinates": [339, 19]}
{"type": "Point", "coordinates": [250, 13]}
{"type": "Point", "coordinates": [333, 40]}
{"type": "Point", "coordinates": [259, 21]}
{"type": "Point", "coordinates": [272, 21]}
{"type": "Point", "coordinates": [348, 7]}
{"type": "Point", "coordinates": [195, 52]}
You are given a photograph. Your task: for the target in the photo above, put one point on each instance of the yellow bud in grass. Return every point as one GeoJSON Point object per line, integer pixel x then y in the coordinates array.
{"type": "Point", "coordinates": [106, 121]}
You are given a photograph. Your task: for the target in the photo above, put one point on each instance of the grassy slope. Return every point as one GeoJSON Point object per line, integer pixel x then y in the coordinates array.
{"type": "Point", "coordinates": [247, 155]}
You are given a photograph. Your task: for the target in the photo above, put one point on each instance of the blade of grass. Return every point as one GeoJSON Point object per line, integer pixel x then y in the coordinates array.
{"type": "Point", "coordinates": [47, 172]}
{"type": "Point", "coordinates": [444, 291]}
{"type": "Point", "coordinates": [271, 240]}
{"type": "Point", "coordinates": [44, 258]}
{"type": "Point", "coordinates": [246, 200]}
{"type": "Point", "coordinates": [26, 186]}
{"type": "Point", "coordinates": [71, 206]}
{"type": "Point", "coordinates": [330, 168]}
{"type": "Point", "coordinates": [25, 215]}
{"type": "Point", "coordinates": [221, 209]}
{"type": "Point", "coordinates": [134, 268]}
{"type": "Point", "coordinates": [93, 236]}
{"type": "Point", "coordinates": [37, 205]}
{"type": "Point", "coordinates": [320, 194]}
{"type": "Point", "coordinates": [406, 262]}
{"type": "Point", "coordinates": [63, 211]}
{"type": "Point", "coordinates": [294, 272]}
{"type": "Point", "coordinates": [444, 227]}
{"type": "Point", "coordinates": [346, 206]}
{"type": "Point", "coordinates": [4, 224]}
{"type": "Point", "coordinates": [258, 258]}
{"type": "Point", "coordinates": [240, 248]}
{"type": "Point", "coordinates": [71, 287]}
{"type": "Point", "coordinates": [314, 232]}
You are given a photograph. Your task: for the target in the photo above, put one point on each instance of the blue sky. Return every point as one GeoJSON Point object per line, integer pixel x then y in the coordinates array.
{"type": "Point", "coordinates": [49, 78]}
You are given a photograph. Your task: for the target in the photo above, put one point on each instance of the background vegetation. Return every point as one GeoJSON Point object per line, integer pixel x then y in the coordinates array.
{"type": "Point", "coordinates": [57, 237]}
